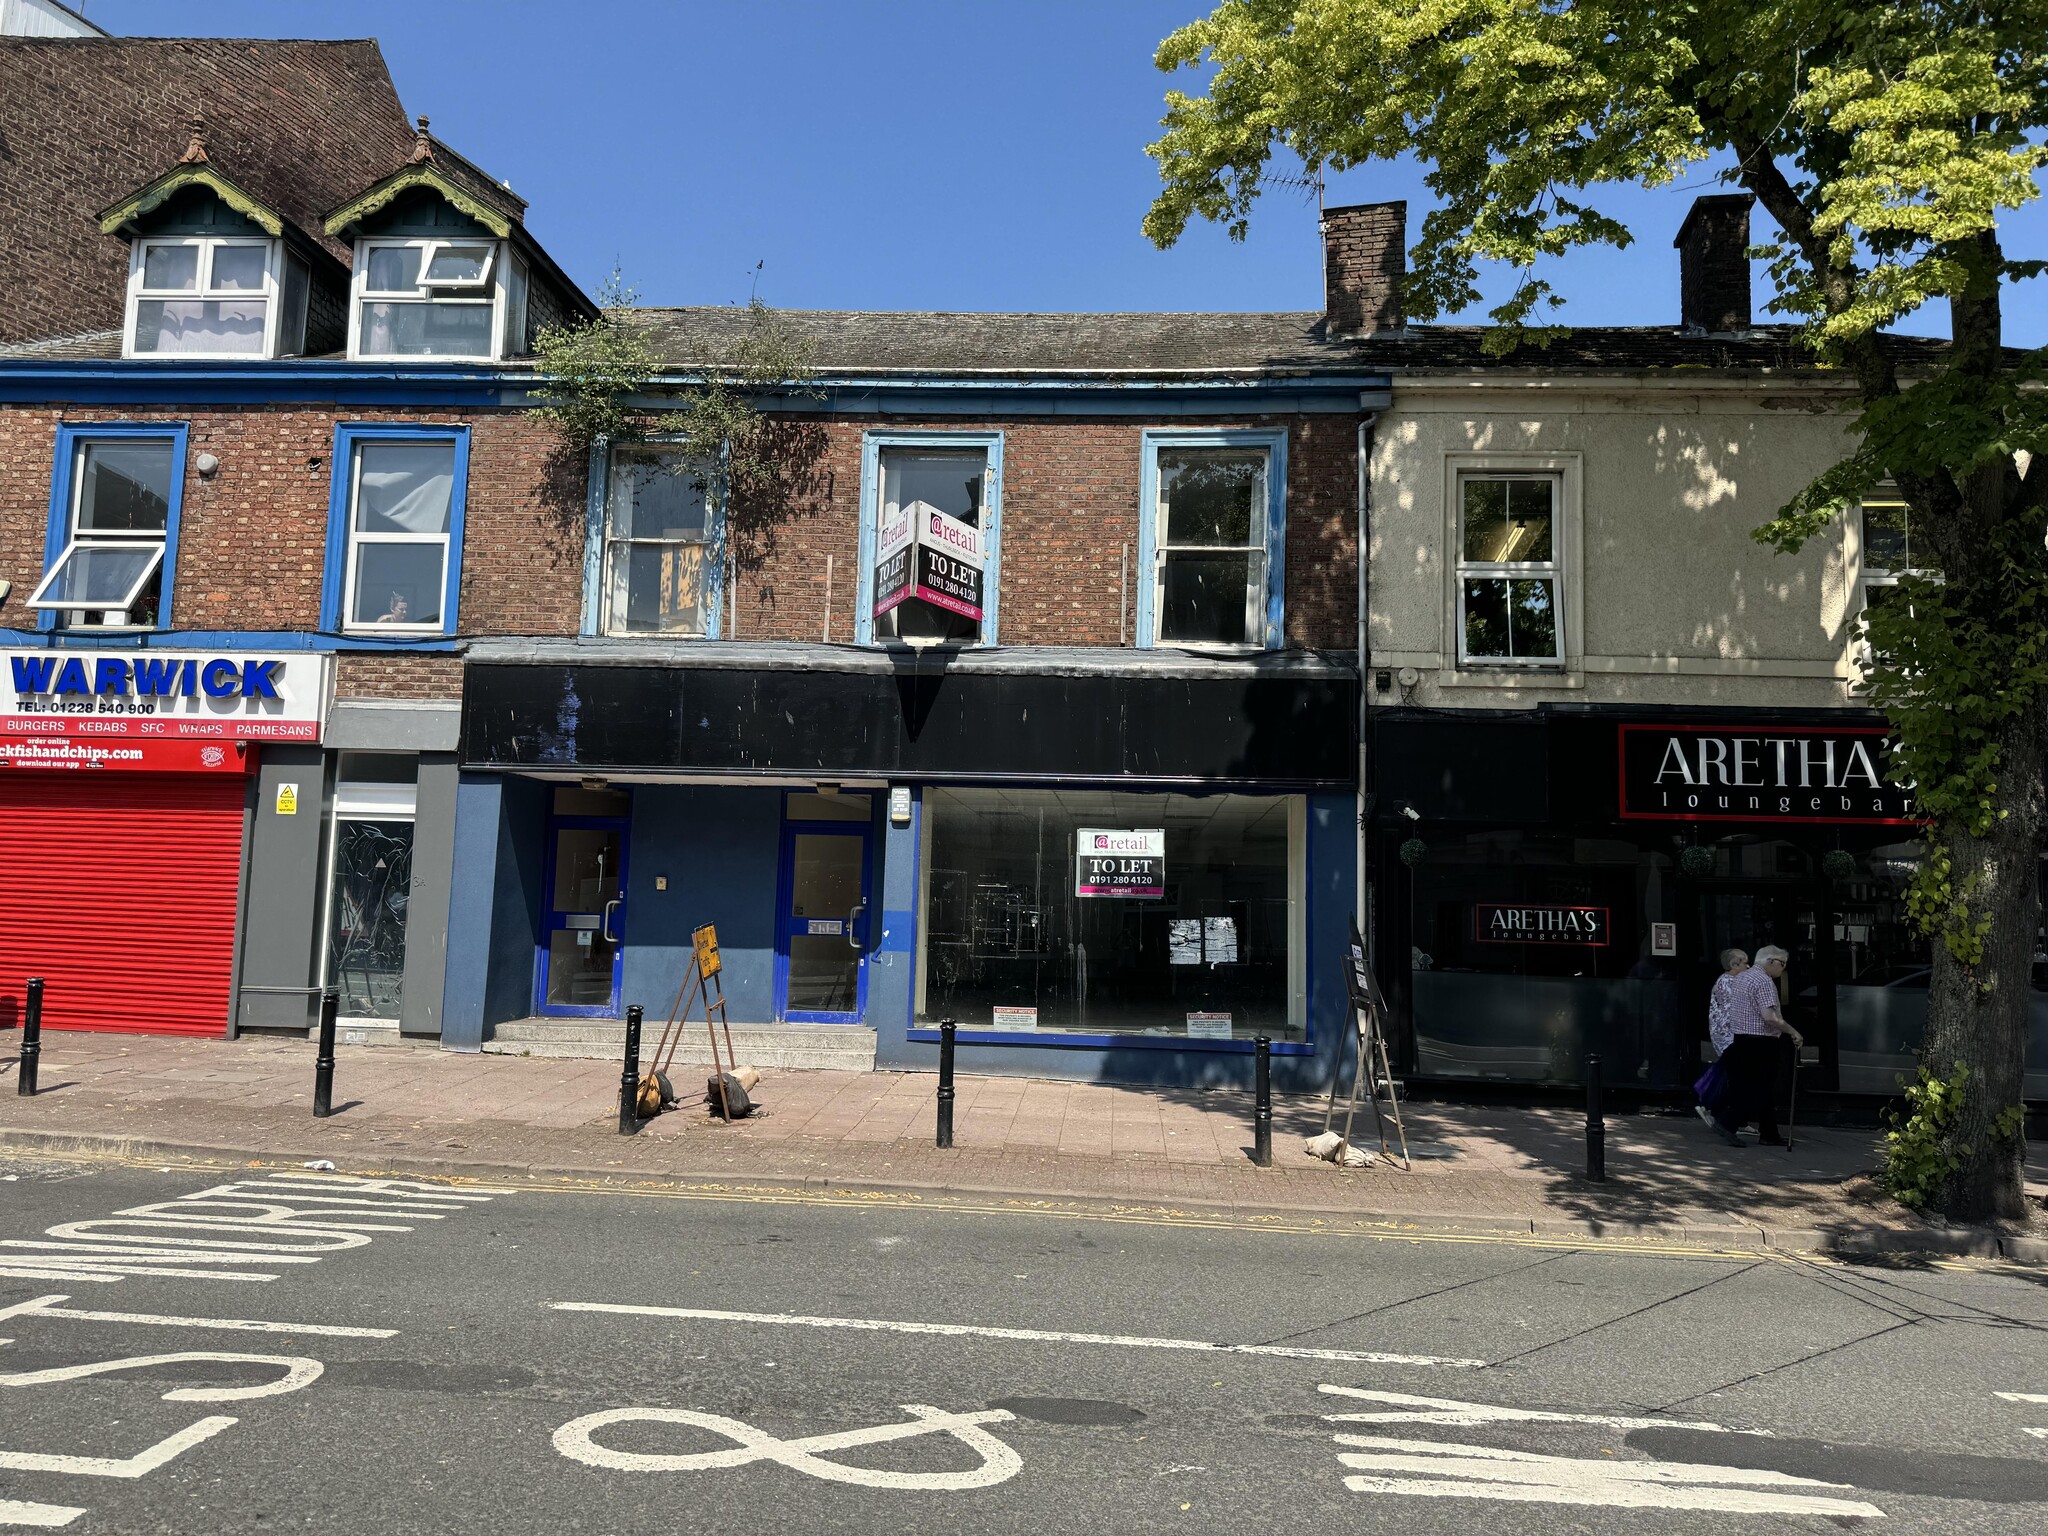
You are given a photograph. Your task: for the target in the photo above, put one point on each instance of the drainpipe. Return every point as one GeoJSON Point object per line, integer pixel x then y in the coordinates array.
{"type": "Point", "coordinates": [1373, 401]}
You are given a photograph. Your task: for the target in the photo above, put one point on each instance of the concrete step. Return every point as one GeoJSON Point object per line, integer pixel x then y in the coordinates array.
{"type": "Point", "coordinates": [827, 1047]}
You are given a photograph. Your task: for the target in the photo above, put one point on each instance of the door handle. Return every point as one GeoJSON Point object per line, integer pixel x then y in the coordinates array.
{"type": "Point", "coordinates": [852, 940]}
{"type": "Point", "coordinates": [605, 922]}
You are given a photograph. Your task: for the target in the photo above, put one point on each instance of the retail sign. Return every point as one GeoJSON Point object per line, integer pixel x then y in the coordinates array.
{"type": "Point", "coordinates": [144, 755]}
{"type": "Point", "coordinates": [1120, 862]}
{"type": "Point", "coordinates": [190, 695]}
{"type": "Point", "coordinates": [922, 553]}
{"type": "Point", "coordinates": [1724, 773]}
{"type": "Point", "coordinates": [1499, 923]}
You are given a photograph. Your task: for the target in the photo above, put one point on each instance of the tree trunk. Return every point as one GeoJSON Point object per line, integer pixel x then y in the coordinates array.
{"type": "Point", "coordinates": [1983, 1014]}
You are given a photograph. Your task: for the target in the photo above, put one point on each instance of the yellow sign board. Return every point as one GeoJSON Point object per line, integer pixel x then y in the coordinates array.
{"type": "Point", "coordinates": [706, 941]}
{"type": "Point", "coordinates": [287, 799]}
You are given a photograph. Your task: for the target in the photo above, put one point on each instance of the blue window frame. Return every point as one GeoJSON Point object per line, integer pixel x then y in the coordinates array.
{"type": "Point", "coordinates": [877, 449]}
{"type": "Point", "coordinates": [130, 547]}
{"type": "Point", "coordinates": [1212, 563]}
{"type": "Point", "coordinates": [654, 546]}
{"type": "Point", "coordinates": [394, 529]}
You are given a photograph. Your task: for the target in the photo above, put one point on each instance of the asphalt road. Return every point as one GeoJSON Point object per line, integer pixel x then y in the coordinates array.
{"type": "Point", "coordinates": [429, 1359]}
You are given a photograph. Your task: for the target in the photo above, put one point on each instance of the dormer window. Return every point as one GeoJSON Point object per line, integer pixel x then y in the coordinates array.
{"type": "Point", "coordinates": [208, 296]}
{"type": "Point", "coordinates": [429, 298]}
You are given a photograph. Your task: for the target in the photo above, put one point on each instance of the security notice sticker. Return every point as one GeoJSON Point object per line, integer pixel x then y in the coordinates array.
{"type": "Point", "coordinates": [1120, 862]}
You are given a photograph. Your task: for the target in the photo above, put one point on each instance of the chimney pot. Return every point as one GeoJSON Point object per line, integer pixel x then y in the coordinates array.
{"type": "Point", "coordinates": [1365, 256]}
{"type": "Point", "coordinates": [1713, 264]}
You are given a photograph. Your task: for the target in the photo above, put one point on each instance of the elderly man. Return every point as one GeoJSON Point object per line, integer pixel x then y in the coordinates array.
{"type": "Point", "coordinates": [1754, 1056]}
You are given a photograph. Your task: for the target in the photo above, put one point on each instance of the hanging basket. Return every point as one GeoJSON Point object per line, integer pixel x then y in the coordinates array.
{"type": "Point", "coordinates": [1414, 851]}
{"type": "Point", "coordinates": [1697, 861]}
{"type": "Point", "coordinates": [1838, 864]}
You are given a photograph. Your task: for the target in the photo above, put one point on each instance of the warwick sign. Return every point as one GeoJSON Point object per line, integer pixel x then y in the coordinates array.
{"type": "Point", "coordinates": [1800, 774]}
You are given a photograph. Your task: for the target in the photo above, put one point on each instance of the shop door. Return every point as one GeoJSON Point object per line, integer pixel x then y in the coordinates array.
{"type": "Point", "coordinates": [584, 927]}
{"type": "Point", "coordinates": [119, 890]}
{"type": "Point", "coordinates": [822, 924]}
{"type": "Point", "coordinates": [1747, 917]}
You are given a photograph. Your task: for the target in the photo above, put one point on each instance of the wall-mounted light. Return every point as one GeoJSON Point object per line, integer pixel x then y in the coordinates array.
{"type": "Point", "coordinates": [207, 465]}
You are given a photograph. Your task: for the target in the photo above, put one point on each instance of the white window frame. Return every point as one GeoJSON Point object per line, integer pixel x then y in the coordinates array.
{"type": "Point", "coordinates": [272, 292]}
{"type": "Point", "coordinates": [1564, 525]}
{"type": "Point", "coordinates": [353, 538]}
{"type": "Point", "coordinates": [1265, 600]}
{"type": "Point", "coordinates": [488, 290]}
{"type": "Point", "coordinates": [712, 544]}
{"type": "Point", "coordinates": [113, 616]}
{"type": "Point", "coordinates": [1870, 576]}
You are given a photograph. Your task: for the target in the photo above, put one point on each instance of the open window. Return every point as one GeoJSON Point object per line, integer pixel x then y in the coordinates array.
{"type": "Point", "coordinates": [930, 538]}
{"type": "Point", "coordinates": [427, 298]}
{"type": "Point", "coordinates": [114, 515]}
{"type": "Point", "coordinates": [1509, 573]}
{"type": "Point", "coordinates": [204, 296]}
{"type": "Point", "coordinates": [1212, 539]}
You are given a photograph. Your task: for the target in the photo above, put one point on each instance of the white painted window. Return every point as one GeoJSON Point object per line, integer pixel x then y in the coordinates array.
{"type": "Point", "coordinates": [659, 545]}
{"type": "Point", "coordinates": [1509, 574]}
{"type": "Point", "coordinates": [427, 298]}
{"type": "Point", "coordinates": [110, 572]}
{"type": "Point", "coordinates": [1889, 552]}
{"type": "Point", "coordinates": [401, 497]}
{"type": "Point", "coordinates": [204, 296]}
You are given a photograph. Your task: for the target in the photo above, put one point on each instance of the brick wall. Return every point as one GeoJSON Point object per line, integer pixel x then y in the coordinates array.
{"type": "Point", "coordinates": [1070, 506]}
{"type": "Point", "coordinates": [1364, 256]}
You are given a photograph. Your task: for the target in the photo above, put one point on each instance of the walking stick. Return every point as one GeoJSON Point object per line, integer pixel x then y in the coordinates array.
{"type": "Point", "coordinates": [1792, 1104]}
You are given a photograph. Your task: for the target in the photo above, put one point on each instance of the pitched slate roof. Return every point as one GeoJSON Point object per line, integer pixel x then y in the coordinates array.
{"type": "Point", "coordinates": [955, 344]}
{"type": "Point", "coordinates": [85, 121]}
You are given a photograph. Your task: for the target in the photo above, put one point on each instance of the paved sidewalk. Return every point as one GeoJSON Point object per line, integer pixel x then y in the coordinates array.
{"type": "Point", "coordinates": [1512, 1170]}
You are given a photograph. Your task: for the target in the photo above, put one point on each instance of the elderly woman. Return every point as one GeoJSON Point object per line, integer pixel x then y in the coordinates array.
{"type": "Point", "coordinates": [1754, 1056]}
{"type": "Point", "coordinates": [1711, 1091]}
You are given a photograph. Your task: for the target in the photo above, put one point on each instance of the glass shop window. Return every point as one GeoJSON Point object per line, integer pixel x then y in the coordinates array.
{"type": "Point", "coordinates": [1188, 922]}
{"type": "Point", "coordinates": [370, 860]}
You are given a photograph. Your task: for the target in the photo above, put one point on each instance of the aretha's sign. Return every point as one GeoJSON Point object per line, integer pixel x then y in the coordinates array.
{"type": "Point", "coordinates": [1498, 923]}
{"type": "Point", "coordinates": [1722, 773]}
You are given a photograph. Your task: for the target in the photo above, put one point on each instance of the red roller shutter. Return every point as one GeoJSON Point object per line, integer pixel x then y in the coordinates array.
{"type": "Point", "coordinates": [118, 889]}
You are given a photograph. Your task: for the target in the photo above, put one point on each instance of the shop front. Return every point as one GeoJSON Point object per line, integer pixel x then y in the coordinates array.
{"type": "Point", "coordinates": [1553, 882]}
{"type": "Point", "coordinates": [1099, 865]}
{"type": "Point", "coordinates": [127, 784]}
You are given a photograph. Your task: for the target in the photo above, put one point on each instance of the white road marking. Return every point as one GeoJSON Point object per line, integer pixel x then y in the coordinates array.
{"type": "Point", "coordinates": [2038, 1434]}
{"type": "Point", "coordinates": [46, 1516]}
{"type": "Point", "coordinates": [1405, 1408]}
{"type": "Point", "coordinates": [1482, 1472]}
{"type": "Point", "coordinates": [49, 1306]}
{"type": "Point", "coordinates": [999, 1463]}
{"type": "Point", "coordinates": [1025, 1335]}
{"type": "Point", "coordinates": [140, 1464]}
{"type": "Point", "coordinates": [298, 1372]}
{"type": "Point", "coordinates": [2023, 1397]}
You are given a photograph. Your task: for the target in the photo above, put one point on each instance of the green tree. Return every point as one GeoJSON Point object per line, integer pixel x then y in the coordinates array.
{"type": "Point", "coordinates": [1883, 139]}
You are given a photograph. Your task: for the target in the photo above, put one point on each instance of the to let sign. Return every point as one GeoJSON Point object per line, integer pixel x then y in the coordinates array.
{"type": "Point", "coordinates": [922, 553]}
{"type": "Point", "coordinates": [1502, 923]}
{"type": "Point", "coordinates": [1794, 774]}
{"type": "Point", "coordinates": [1120, 862]}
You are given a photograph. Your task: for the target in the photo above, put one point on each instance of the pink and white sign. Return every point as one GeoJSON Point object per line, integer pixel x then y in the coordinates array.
{"type": "Point", "coordinates": [1111, 861]}
{"type": "Point", "coordinates": [921, 552]}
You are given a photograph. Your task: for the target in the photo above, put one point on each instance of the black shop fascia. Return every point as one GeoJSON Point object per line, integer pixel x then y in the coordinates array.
{"type": "Point", "coordinates": [1554, 882]}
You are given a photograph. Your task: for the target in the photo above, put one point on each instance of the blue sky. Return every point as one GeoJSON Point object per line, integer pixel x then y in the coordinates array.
{"type": "Point", "coordinates": [880, 154]}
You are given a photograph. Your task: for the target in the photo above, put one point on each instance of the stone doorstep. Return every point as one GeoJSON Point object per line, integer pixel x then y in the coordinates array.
{"type": "Point", "coordinates": [778, 1047]}
{"type": "Point", "coordinates": [1872, 1239]}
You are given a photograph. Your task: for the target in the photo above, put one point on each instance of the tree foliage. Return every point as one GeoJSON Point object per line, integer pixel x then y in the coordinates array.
{"type": "Point", "coordinates": [1884, 140]}
{"type": "Point", "coordinates": [601, 383]}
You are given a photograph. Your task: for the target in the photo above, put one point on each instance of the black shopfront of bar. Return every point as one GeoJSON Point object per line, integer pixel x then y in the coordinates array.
{"type": "Point", "coordinates": [1560, 880]}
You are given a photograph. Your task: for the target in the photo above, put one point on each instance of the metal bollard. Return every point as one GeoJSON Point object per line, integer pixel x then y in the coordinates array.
{"type": "Point", "coordinates": [1262, 1102]}
{"type": "Point", "coordinates": [1596, 1125]}
{"type": "Point", "coordinates": [629, 1079]}
{"type": "Point", "coordinates": [947, 1029]}
{"type": "Point", "coordinates": [323, 1060]}
{"type": "Point", "coordinates": [31, 1041]}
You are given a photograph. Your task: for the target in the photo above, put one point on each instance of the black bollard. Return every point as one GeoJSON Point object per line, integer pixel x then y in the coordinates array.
{"type": "Point", "coordinates": [1596, 1125]}
{"type": "Point", "coordinates": [1262, 1102]}
{"type": "Point", "coordinates": [947, 1028]}
{"type": "Point", "coordinates": [629, 1079]}
{"type": "Point", "coordinates": [323, 1060]}
{"type": "Point", "coordinates": [31, 1041]}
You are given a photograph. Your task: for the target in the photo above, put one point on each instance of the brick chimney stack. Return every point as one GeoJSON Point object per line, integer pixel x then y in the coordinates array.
{"type": "Point", "coordinates": [1365, 255]}
{"type": "Point", "coordinates": [1713, 264]}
